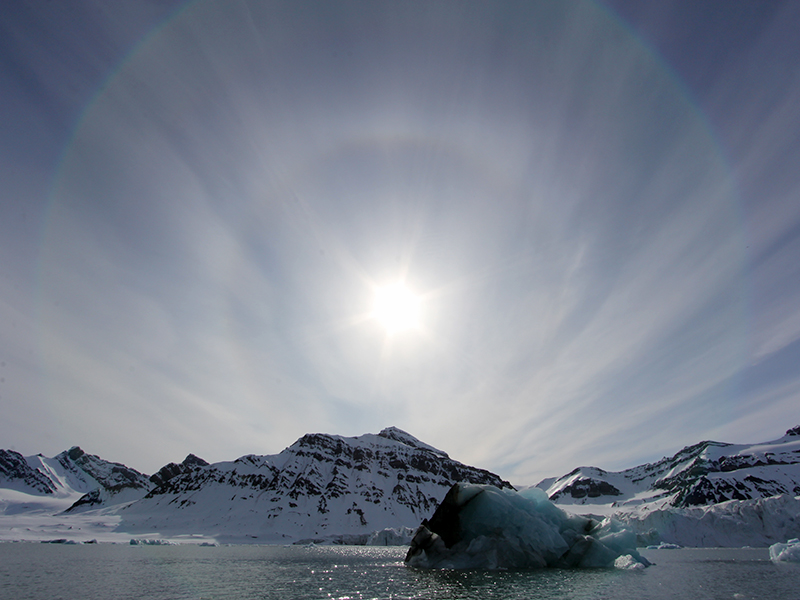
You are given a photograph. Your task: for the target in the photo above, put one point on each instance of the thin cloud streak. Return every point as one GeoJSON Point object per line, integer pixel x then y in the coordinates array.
{"type": "Point", "coordinates": [577, 236]}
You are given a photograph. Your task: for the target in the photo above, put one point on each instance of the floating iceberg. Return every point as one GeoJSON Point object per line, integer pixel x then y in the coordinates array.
{"type": "Point", "coordinates": [664, 546]}
{"type": "Point", "coordinates": [788, 552]}
{"type": "Point", "coordinates": [151, 542]}
{"type": "Point", "coordinates": [484, 527]}
{"type": "Point", "coordinates": [400, 536]}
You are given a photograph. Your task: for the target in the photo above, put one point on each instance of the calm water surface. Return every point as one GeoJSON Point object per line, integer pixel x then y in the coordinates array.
{"type": "Point", "coordinates": [105, 571]}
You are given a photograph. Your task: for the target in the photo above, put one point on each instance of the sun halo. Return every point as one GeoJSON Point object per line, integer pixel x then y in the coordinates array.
{"type": "Point", "coordinates": [396, 308]}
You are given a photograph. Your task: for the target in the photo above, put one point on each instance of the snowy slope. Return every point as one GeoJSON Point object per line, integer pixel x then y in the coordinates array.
{"type": "Point", "coordinates": [321, 487]}
{"type": "Point", "coordinates": [17, 474]}
{"type": "Point", "coordinates": [704, 474]}
{"type": "Point", "coordinates": [72, 477]}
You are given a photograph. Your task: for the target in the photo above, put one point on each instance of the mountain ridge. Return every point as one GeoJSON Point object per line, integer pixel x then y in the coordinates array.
{"type": "Point", "coordinates": [69, 472]}
{"type": "Point", "coordinates": [705, 473]}
{"type": "Point", "coordinates": [331, 488]}
{"type": "Point", "coordinates": [321, 487]}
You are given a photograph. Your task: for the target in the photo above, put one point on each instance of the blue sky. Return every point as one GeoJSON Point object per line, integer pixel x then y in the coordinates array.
{"type": "Point", "coordinates": [596, 204]}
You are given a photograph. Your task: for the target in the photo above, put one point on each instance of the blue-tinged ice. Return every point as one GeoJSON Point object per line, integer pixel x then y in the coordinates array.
{"type": "Point", "coordinates": [484, 527]}
{"type": "Point", "coordinates": [788, 552]}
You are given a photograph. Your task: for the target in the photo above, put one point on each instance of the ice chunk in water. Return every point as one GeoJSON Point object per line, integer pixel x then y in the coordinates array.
{"type": "Point", "coordinates": [788, 552]}
{"type": "Point", "coordinates": [484, 527]}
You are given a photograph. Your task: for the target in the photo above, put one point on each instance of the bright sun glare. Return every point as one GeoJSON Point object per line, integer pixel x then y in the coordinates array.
{"type": "Point", "coordinates": [396, 308]}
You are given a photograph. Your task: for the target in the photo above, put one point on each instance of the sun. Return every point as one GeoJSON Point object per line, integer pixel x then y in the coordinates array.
{"type": "Point", "coordinates": [396, 308]}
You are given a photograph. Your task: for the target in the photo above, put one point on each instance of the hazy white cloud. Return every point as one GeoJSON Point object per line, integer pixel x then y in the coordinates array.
{"type": "Point", "coordinates": [580, 243]}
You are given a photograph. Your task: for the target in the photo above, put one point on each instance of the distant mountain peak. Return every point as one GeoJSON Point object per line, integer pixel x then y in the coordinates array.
{"type": "Point", "coordinates": [398, 435]}
{"type": "Point", "coordinates": [794, 431]}
{"type": "Point", "coordinates": [74, 453]}
{"type": "Point", "coordinates": [192, 460]}
{"type": "Point", "coordinates": [171, 470]}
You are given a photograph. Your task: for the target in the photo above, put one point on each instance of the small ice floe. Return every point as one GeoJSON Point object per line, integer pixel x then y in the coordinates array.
{"type": "Point", "coordinates": [788, 552]}
{"type": "Point", "coordinates": [149, 542]}
{"type": "Point", "coordinates": [484, 527]}
{"type": "Point", "coordinates": [208, 544]}
{"type": "Point", "coordinates": [627, 562]}
{"type": "Point", "coordinates": [665, 546]}
{"type": "Point", "coordinates": [60, 541]}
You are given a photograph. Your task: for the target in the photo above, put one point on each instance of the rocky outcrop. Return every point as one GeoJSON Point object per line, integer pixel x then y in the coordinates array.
{"type": "Point", "coordinates": [168, 471]}
{"type": "Point", "coordinates": [585, 487]}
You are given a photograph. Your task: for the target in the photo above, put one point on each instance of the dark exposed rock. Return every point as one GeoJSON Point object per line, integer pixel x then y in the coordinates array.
{"type": "Point", "coordinates": [16, 471]}
{"type": "Point", "coordinates": [171, 470]}
{"type": "Point", "coordinates": [703, 491]}
{"type": "Point", "coordinates": [586, 487]}
{"type": "Point", "coordinates": [75, 453]}
{"type": "Point", "coordinates": [88, 500]}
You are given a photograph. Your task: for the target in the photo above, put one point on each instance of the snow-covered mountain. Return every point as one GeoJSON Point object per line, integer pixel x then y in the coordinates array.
{"type": "Point", "coordinates": [71, 478]}
{"type": "Point", "coordinates": [321, 487]}
{"type": "Point", "coordinates": [334, 488]}
{"type": "Point", "coordinates": [703, 474]}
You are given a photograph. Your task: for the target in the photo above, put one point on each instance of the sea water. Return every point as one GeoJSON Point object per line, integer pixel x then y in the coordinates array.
{"type": "Point", "coordinates": [108, 571]}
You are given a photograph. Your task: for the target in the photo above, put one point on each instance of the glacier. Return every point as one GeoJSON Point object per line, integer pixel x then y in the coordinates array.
{"type": "Point", "coordinates": [732, 524]}
{"type": "Point", "coordinates": [484, 527]}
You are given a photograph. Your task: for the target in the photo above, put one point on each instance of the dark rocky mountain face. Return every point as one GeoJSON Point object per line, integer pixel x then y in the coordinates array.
{"type": "Point", "coordinates": [109, 482]}
{"type": "Point", "coordinates": [321, 484]}
{"type": "Point", "coordinates": [586, 487]}
{"type": "Point", "coordinates": [325, 465]}
{"type": "Point", "coordinates": [16, 473]}
{"type": "Point", "coordinates": [167, 472]}
{"type": "Point", "coordinates": [110, 475]}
